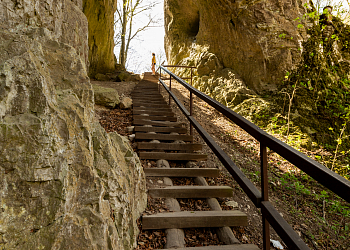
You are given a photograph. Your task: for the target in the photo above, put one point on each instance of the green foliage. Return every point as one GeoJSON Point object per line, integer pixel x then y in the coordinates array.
{"type": "Point", "coordinates": [321, 83]}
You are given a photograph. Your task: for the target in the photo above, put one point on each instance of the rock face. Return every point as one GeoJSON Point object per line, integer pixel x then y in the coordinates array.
{"type": "Point", "coordinates": [64, 182]}
{"type": "Point", "coordinates": [257, 40]}
{"type": "Point", "coordinates": [100, 15]}
{"type": "Point", "coordinates": [107, 97]}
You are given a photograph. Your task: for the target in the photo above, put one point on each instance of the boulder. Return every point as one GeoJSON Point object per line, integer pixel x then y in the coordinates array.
{"type": "Point", "coordinates": [125, 76]}
{"type": "Point", "coordinates": [125, 103]}
{"type": "Point", "coordinates": [107, 97]}
{"type": "Point", "coordinates": [102, 77]}
{"type": "Point", "coordinates": [135, 78]}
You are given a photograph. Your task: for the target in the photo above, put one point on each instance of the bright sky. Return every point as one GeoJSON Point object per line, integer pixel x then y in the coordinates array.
{"type": "Point", "coordinates": [151, 40]}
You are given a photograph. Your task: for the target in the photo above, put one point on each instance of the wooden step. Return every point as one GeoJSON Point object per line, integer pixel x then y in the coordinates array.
{"type": "Point", "coordinates": [169, 146]}
{"type": "Point", "coordinates": [193, 219]}
{"type": "Point", "coordinates": [224, 247]}
{"type": "Point", "coordinates": [146, 89]}
{"type": "Point", "coordinates": [156, 123]}
{"type": "Point", "coordinates": [163, 137]}
{"type": "Point", "coordinates": [155, 118]}
{"type": "Point", "coordinates": [160, 129]}
{"type": "Point", "coordinates": [172, 156]}
{"type": "Point", "coordinates": [142, 92]}
{"type": "Point", "coordinates": [182, 172]}
{"type": "Point", "coordinates": [146, 86]}
{"type": "Point", "coordinates": [153, 112]}
{"type": "Point", "coordinates": [187, 192]}
{"type": "Point", "coordinates": [164, 109]}
{"type": "Point", "coordinates": [146, 92]}
{"type": "Point", "coordinates": [148, 97]}
{"type": "Point", "coordinates": [148, 102]}
{"type": "Point", "coordinates": [151, 105]}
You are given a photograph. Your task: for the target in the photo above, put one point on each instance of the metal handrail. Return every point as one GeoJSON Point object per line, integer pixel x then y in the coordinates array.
{"type": "Point", "coordinates": [320, 173]}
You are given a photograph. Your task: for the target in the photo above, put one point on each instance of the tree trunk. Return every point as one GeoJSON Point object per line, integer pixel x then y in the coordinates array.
{"type": "Point", "coordinates": [129, 37]}
{"type": "Point", "coordinates": [122, 58]}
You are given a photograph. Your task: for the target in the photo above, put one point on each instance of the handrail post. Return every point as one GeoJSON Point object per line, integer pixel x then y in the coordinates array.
{"type": "Point", "coordinates": [170, 90]}
{"type": "Point", "coordinates": [160, 77]}
{"type": "Point", "coordinates": [265, 194]}
{"type": "Point", "coordinates": [191, 105]}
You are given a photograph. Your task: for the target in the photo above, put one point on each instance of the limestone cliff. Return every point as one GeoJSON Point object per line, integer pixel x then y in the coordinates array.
{"type": "Point", "coordinates": [243, 36]}
{"type": "Point", "coordinates": [100, 15]}
{"type": "Point", "coordinates": [64, 182]}
{"type": "Point", "coordinates": [271, 61]}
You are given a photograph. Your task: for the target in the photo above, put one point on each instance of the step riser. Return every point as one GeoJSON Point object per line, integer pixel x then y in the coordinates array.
{"type": "Point", "coordinates": [163, 137]}
{"type": "Point", "coordinates": [159, 124]}
{"type": "Point", "coordinates": [148, 109]}
{"type": "Point", "coordinates": [160, 129]}
{"type": "Point", "coordinates": [150, 105]}
{"type": "Point", "coordinates": [155, 118]}
{"type": "Point", "coordinates": [169, 146]}
{"type": "Point", "coordinates": [172, 156]}
{"type": "Point", "coordinates": [154, 113]}
{"type": "Point", "coordinates": [224, 247]}
{"type": "Point", "coordinates": [181, 172]}
{"type": "Point", "coordinates": [200, 192]}
{"type": "Point", "coordinates": [194, 219]}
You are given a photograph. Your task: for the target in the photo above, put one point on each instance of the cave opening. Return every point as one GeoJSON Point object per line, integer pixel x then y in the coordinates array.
{"type": "Point", "coordinates": [194, 26]}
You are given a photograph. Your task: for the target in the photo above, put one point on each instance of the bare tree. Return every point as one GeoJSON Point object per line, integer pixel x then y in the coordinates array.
{"type": "Point", "coordinates": [125, 16]}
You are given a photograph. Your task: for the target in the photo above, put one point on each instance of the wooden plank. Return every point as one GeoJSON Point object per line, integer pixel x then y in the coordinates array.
{"type": "Point", "coordinates": [153, 96]}
{"type": "Point", "coordinates": [160, 129]}
{"type": "Point", "coordinates": [148, 102]}
{"type": "Point", "coordinates": [169, 146]}
{"type": "Point", "coordinates": [184, 192]}
{"type": "Point", "coordinates": [163, 137]}
{"type": "Point", "coordinates": [139, 98]}
{"type": "Point", "coordinates": [148, 97]}
{"type": "Point", "coordinates": [182, 172]}
{"type": "Point", "coordinates": [150, 105]}
{"type": "Point", "coordinates": [149, 89]}
{"type": "Point", "coordinates": [155, 118]}
{"type": "Point", "coordinates": [156, 123]}
{"type": "Point", "coordinates": [172, 156]}
{"type": "Point", "coordinates": [163, 109]}
{"type": "Point", "coordinates": [193, 219]}
{"type": "Point", "coordinates": [153, 112]}
{"type": "Point", "coordinates": [224, 247]}
{"type": "Point", "coordinates": [146, 91]}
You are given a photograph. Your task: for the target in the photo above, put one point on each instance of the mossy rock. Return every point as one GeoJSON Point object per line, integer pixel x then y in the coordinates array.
{"type": "Point", "coordinates": [107, 97]}
{"type": "Point", "coordinates": [102, 77]}
{"type": "Point", "coordinates": [125, 76]}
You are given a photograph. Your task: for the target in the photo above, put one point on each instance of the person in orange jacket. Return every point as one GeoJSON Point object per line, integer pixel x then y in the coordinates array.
{"type": "Point", "coordinates": [153, 64]}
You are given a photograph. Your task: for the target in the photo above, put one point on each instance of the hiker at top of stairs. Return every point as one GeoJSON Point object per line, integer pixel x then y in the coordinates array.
{"type": "Point", "coordinates": [153, 64]}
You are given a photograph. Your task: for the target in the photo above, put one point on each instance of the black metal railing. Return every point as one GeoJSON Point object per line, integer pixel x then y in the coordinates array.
{"type": "Point", "coordinates": [270, 215]}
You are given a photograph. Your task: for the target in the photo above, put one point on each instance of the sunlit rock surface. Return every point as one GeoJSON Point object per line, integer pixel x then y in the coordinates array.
{"type": "Point", "coordinates": [244, 36]}
{"type": "Point", "coordinates": [64, 182]}
{"type": "Point", "coordinates": [100, 15]}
